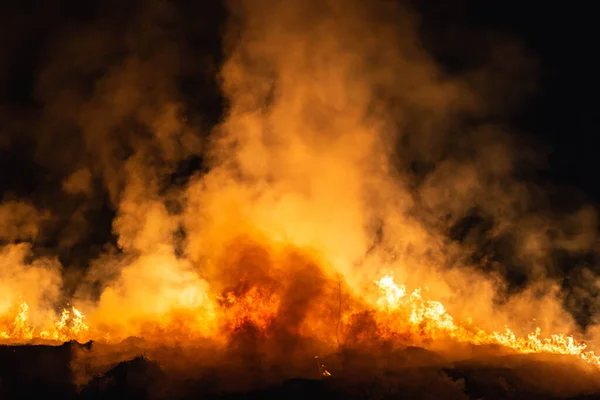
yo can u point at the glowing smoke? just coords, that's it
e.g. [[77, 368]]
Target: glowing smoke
[[332, 106]]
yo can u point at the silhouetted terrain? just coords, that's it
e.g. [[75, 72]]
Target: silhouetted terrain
[[39, 371]]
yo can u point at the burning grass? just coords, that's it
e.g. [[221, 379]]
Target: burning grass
[[274, 302]]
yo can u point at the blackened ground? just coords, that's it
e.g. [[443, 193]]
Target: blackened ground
[[44, 372]]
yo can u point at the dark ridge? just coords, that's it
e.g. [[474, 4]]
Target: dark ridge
[[35, 372], [40, 371]]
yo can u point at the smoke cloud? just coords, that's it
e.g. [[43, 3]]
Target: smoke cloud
[[344, 152]]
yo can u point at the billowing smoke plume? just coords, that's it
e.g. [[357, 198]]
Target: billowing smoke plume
[[330, 107], [344, 153]]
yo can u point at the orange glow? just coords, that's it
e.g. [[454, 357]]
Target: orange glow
[[407, 317], [70, 326], [305, 203], [431, 320]]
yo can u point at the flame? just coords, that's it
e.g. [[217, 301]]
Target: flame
[[398, 314], [255, 307], [19, 329], [431, 320], [70, 326]]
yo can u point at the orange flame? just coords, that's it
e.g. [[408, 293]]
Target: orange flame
[[397, 311], [430, 317], [70, 326]]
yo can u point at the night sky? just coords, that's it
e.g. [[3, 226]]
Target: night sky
[[561, 109], [559, 38]]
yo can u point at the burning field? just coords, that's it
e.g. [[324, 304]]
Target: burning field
[[352, 226]]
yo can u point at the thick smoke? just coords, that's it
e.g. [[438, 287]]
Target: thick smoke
[[329, 107], [344, 153]]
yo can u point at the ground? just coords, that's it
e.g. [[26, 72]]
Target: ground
[[41, 371]]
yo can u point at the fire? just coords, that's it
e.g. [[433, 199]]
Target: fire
[[431, 320], [254, 307], [20, 327], [398, 314], [70, 326]]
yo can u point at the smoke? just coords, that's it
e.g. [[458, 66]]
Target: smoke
[[36, 280], [20, 221], [344, 153], [22, 275], [330, 107]]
